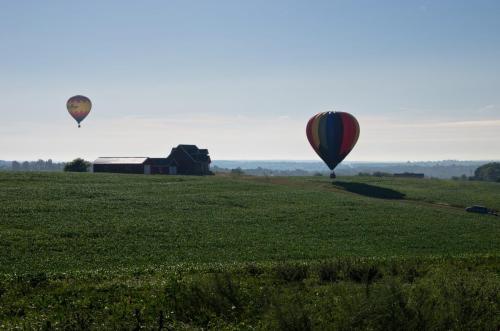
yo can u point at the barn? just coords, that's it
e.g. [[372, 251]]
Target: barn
[[127, 165], [183, 160], [190, 160]]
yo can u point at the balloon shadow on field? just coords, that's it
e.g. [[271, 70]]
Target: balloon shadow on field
[[369, 190]]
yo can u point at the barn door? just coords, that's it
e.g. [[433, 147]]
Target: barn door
[[147, 169], [172, 170]]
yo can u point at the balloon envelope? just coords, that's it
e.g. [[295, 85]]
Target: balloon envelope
[[79, 107], [332, 135]]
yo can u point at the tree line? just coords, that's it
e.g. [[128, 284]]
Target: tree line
[[489, 172], [39, 165], [77, 165]]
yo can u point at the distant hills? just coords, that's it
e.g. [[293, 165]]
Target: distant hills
[[438, 169]]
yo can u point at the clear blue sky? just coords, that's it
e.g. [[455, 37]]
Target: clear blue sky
[[242, 78]]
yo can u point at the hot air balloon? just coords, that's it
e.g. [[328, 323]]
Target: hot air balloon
[[332, 135], [79, 107]]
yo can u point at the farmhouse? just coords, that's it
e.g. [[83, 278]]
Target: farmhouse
[[183, 160]]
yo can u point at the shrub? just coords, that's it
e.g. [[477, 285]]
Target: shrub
[[77, 165], [329, 272], [292, 272], [202, 301], [290, 315], [488, 172], [364, 274], [253, 270]]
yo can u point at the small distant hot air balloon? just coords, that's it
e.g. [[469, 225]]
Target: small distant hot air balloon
[[79, 107], [332, 135]]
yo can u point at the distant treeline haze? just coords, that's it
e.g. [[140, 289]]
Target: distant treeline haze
[[438, 169], [39, 165]]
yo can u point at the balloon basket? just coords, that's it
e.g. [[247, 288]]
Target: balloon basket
[[332, 175]]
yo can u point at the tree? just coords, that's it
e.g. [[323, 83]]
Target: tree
[[77, 165], [39, 165], [488, 172], [16, 166]]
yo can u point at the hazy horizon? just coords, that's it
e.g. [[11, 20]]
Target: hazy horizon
[[242, 78], [431, 169]]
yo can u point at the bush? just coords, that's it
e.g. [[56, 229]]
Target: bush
[[329, 272], [364, 274], [292, 272], [77, 165], [488, 172], [440, 294], [200, 302], [290, 315]]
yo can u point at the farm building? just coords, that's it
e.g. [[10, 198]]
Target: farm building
[[126, 165], [183, 160]]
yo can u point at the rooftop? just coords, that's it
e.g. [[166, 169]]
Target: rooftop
[[120, 160]]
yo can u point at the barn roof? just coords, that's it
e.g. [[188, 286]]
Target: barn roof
[[120, 160], [197, 155]]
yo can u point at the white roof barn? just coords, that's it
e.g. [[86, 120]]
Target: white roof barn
[[121, 160]]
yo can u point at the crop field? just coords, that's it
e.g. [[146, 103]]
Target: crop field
[[93, 251]]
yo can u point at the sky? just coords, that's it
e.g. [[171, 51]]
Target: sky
[[242, 78]]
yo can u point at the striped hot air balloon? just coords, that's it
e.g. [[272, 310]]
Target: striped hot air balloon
[[79, 107], [332, 135]]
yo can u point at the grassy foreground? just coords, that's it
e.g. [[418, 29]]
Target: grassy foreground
[[338, 294], [116, 251]]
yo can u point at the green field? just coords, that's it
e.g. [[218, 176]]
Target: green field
[[84, 242]]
